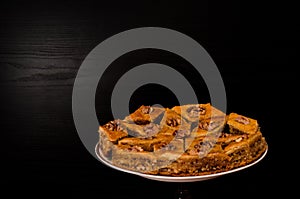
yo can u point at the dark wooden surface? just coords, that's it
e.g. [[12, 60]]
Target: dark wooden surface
[[43, 44]]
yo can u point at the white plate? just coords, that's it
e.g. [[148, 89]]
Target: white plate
[[171, 178]]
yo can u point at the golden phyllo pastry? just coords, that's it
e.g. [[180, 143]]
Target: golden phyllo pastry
[[187, 140]]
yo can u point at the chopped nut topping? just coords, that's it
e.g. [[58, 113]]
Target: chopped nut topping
[[173, 122], [181, 133], [242, 120], [168, 147], [201, 148], [209, 125], [113, 126], [135, 149], [203, 125], [141, 168], [147, 109], [195, 111]]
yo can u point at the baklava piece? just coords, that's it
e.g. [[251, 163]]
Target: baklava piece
[[134, 158], [239, 124], [110, 134], [142, 131], [257, 145], [238, 153], [174, 121], [145, 115], [198, 112]]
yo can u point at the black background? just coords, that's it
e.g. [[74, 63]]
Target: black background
[[42, 45]]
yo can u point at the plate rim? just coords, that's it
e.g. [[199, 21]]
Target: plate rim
[[176, 178]]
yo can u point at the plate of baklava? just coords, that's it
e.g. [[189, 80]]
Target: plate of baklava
[[185, 143]]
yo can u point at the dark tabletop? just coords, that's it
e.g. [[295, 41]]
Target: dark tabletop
[[43, 44]]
